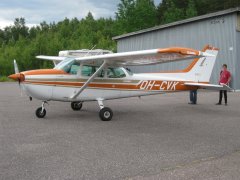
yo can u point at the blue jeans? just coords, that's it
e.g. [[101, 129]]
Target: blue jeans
[[193, 96]]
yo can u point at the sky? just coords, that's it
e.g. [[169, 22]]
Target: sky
[[36, 11]]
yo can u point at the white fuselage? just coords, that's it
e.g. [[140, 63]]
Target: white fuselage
[[62, 87]]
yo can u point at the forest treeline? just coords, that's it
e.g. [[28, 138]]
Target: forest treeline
[[23, 43]]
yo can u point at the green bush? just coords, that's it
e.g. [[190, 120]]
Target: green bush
[[5, 79]]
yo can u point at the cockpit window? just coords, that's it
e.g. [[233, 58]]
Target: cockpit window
[[69, 66], [74, 69]]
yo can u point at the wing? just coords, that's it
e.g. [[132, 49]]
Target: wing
[[209, 86], [54, 59], [144, 57], [51, 58]]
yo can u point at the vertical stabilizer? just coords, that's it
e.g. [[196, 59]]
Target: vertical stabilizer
[[202, 68]]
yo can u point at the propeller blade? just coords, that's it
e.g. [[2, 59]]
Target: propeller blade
[[17, 76], [15, 67]]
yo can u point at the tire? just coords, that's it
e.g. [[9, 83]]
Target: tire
[[76, 106], [40, 113], [105, 114]]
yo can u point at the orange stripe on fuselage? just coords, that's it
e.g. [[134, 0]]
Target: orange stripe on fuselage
[[45, 72], [147, 85]]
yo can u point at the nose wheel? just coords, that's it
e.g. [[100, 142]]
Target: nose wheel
[[41, 111], [105, 113]]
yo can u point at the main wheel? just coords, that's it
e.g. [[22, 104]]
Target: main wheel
[[76, 106], [40, 113], [105, 114]]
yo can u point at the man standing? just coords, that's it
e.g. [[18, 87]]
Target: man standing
[[193, 97], [225, 78]]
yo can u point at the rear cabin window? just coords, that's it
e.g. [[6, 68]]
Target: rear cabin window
[[115, 73], [111, 72]]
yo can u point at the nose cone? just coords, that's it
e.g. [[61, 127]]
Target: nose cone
[[17, 77]]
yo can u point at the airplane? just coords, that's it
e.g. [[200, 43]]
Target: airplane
[[104, 77]]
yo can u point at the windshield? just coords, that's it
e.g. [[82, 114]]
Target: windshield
[[69, 66]]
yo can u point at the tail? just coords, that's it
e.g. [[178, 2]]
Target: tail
[[200, 70]]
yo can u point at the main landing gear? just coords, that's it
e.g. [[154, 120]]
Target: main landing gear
[[76, 106], [41, 111], [105, 113]]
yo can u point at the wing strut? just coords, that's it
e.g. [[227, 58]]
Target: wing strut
[[88, 81]]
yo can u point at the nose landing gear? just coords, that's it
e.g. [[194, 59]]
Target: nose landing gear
[[41, 111]]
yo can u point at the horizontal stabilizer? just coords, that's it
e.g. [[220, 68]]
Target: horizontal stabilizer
[[210, 86]]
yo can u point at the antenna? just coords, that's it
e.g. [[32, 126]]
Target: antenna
[[99, 51], [90, 50]]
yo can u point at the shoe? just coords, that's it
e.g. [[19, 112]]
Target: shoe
[[219, 104], [191, 103], [226, 104]]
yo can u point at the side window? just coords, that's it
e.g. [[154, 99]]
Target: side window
[[119, 73], [74, 69], [88, 70], [101, 73], [115, 73], [110, 73]]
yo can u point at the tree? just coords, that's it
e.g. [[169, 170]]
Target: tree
[[191, 10], [133, 15], [204, 7], [162, 7], [89, 17], [173, 13], [173, 10], [19, 29], [125, 16], [145, 14]]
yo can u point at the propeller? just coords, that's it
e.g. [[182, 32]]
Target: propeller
[[17, 76]]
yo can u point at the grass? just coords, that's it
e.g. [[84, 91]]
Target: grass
[[5, 79]]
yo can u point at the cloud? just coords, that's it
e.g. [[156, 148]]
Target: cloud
[[36, 11]]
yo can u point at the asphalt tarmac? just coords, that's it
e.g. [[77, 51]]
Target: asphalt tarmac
[[155, 137]]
